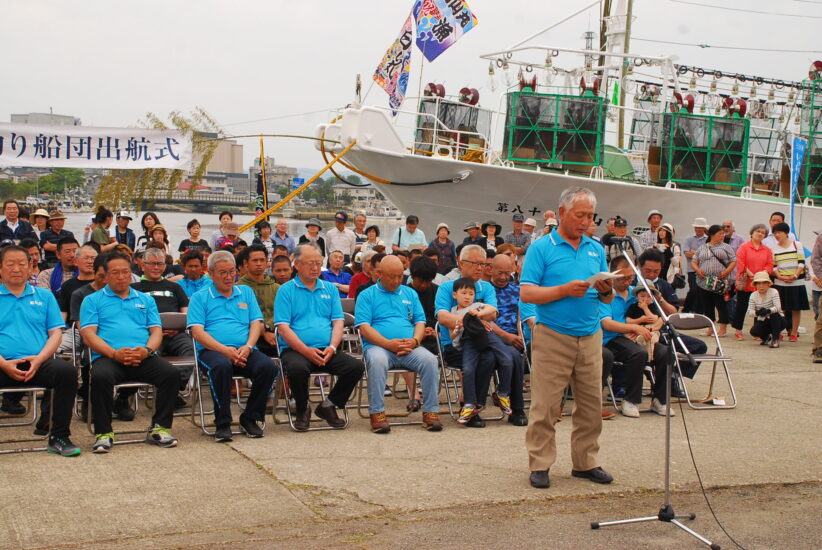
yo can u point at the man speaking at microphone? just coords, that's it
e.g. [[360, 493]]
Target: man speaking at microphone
[[567, 340]]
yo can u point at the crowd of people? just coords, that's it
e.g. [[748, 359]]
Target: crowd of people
[[280, 297]]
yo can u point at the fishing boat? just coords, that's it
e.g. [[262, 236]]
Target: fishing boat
[[643, 132]]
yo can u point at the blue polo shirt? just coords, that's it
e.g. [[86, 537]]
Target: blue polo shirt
[[192, 287], [26, 320], [120, 322], [552, 261], [392, 314], [526, 311], [343, 278], [616, 312], [309, 313], [227, 320], [485, 293]]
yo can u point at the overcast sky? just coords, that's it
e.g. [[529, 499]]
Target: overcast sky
[[111, 62]]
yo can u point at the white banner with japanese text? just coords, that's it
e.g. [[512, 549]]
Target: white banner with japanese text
[[87, 147]]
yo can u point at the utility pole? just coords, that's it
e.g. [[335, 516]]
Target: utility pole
[[621, 128]]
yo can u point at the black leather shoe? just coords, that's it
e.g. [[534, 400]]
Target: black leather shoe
[[123, 410], [303, 420], [329, 414], [597, 475], [11, 406], [476, 422], [676, 388], [518, 419], [223, 434], [539, 479], [250, 427]]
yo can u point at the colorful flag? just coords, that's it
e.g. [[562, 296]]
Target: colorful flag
[[440, 23], [393, 71]]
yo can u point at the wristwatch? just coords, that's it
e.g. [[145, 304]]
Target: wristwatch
[[151, 352], [606, 294]]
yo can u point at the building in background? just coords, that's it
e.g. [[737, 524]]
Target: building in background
[[45, 119], [224, 173]]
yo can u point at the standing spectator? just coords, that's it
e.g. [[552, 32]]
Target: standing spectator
[[408, 238], [816, 271], [731, 236], [122, 234], [528, 227], [630, 249], [122, 327], [225, 320], [101, 233], [751, 258], [193, 242], [309, 317], [714, 260], [445, 249], [693, 300], [490, 235], [340, 237], [372, 240], [360, 231], [518, 237], [13, 228], [230, 236], [148, 221], [336, 275], [312, 235], [41, 221], [225, 218], [671, 251], [776, 217], [567, 339], [282, 237], [474, 235], [265, 239], [789, 269], [51, 236], [648, 238], [159, 236]]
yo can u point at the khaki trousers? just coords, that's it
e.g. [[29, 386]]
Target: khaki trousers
[[560, 359], [817, 333]]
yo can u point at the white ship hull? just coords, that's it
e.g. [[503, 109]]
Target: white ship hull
[[497, 192]]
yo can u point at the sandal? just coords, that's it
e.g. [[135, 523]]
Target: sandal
[[413, 405], [739, 335]]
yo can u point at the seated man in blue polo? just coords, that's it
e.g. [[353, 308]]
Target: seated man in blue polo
[[471, 263], [30, 332], [335, 273], [193, 279], [122, 327], [309, 318], [226, 322], [391, 321]]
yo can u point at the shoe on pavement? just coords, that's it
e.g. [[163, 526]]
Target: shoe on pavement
[[774, 344], [467, 413], [223, 433], [329, 414], [122, 409], [103, 443], [677, 390], [379, 423], [42, 429], [476, 422], [62, 446], [10, 406], [597, 475], [817, 355], [793, 338], [629, 409], [539, 479], [250, 427], [157, 435], [518, 418], [765, 341], [659, 407], [608, 415], [303, 420], [505, 405], [431, 422]]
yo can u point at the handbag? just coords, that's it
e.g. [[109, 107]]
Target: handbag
[[742, 282], [712, 282], [805, 271], [679, 281]]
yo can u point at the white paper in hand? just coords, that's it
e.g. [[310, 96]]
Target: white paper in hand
[[604, 276]]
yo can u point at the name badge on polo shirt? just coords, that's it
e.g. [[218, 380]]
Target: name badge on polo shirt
[[35, 303], [325, 296], [242, 305], [593, 254], [140, 306]]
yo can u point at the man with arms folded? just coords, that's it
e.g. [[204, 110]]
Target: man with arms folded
[[122, 327], [309, 317], [392, 323], [226, 323], [30, 332], [567, 340]]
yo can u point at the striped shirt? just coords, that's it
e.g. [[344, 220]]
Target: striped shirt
[[787, 261], [770, 301]]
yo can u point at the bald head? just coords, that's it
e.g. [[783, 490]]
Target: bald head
[[501, 267], [390, 272]]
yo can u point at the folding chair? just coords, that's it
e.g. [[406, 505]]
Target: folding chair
[[452, 380], [693, 321], [282, 386], [361, 389], [177, 321], [31, 391]]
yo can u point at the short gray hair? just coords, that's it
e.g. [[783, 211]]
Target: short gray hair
[[574, 194], [759, 226], [219, 257], [299, 249], [469, 248], [154, 253]]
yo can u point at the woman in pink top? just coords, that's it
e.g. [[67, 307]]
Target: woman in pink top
[[752, 257]]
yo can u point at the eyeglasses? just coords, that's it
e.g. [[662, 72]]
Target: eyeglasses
[[726, 227], [155, 264], [226, 273], [471, 262], [316, 263]]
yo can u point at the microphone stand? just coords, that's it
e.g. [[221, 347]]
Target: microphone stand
[[666, 512]]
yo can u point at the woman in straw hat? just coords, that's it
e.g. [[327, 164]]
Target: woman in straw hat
[[766, 309]]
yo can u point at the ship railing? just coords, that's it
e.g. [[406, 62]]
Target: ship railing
[[445, 142]]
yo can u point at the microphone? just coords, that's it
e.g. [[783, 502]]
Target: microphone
[[610, 240]]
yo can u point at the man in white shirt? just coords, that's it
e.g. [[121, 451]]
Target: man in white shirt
[[408, 237], [341, 238]]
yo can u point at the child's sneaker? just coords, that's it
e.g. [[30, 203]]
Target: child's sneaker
[[505, 405], [466, 414]]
